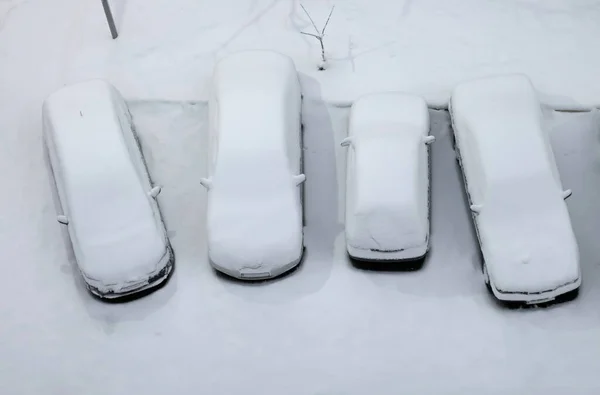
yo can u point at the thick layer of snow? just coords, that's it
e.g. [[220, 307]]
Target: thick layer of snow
[[254, 208], [167, 48], [524, 226], [117, 238], [388, 177]]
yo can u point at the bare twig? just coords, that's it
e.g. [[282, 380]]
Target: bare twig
[[312, 35], [311, 20], [319, 36], [327, 22]]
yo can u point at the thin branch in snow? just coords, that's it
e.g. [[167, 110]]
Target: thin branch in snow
[[327, 22], [312, 35], [319, 36], [311, 20]]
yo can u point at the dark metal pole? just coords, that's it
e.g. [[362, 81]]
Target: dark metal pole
[[109, 19]]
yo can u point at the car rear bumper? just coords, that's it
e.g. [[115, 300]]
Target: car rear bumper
[[406, 254], [120, 290]]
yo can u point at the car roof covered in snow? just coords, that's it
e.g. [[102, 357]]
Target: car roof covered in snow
[[106, 200], [256, 92], [502, 117], [387, 131], [258, 95], [253, 191]]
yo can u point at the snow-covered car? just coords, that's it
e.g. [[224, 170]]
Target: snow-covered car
[[255, 171], [387, 180], [105, 195], [514, 190]]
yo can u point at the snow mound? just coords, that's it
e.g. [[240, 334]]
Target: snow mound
[[523, 223], [119, 240], [387, 194], [254, 208]]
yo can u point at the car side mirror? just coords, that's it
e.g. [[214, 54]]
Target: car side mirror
[[346, 142], [62, 219], [428, 139], [567, 194], [476, 208], [154, 192], [206, 183], [299, 179]]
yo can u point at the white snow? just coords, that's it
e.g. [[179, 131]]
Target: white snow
[[254, 208], [167, 48], [327, 328], [524, 226], [388, 177], [118, 240]]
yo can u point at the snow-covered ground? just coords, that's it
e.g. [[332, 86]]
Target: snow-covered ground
[[328, 328]]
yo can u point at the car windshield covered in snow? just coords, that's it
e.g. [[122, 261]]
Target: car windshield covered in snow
[[257, 176]]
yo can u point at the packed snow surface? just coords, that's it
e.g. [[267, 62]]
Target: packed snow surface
[[115, 235], [524, 226], [254, 208], [387, 192]]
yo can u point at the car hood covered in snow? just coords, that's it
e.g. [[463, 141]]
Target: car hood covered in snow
[[119, 249], [255, 222], [529, 245]]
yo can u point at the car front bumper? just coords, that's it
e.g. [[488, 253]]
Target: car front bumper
[[535, 297], [121, 290], [406, 254]]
